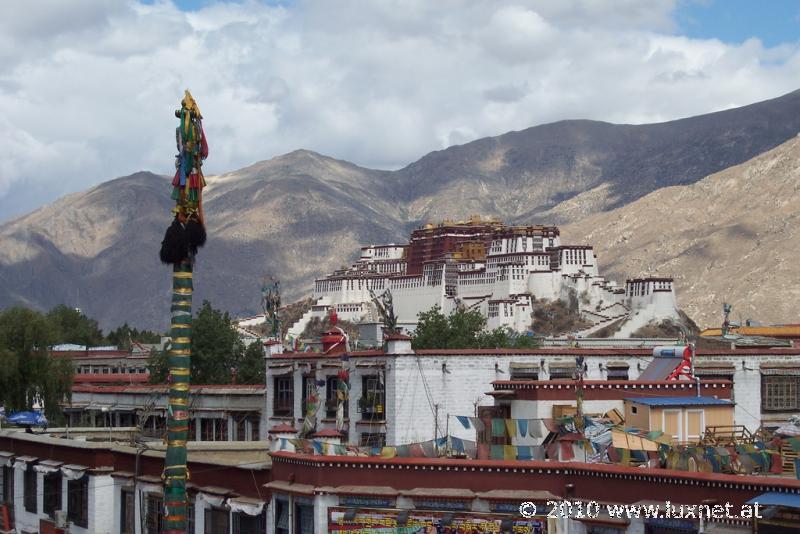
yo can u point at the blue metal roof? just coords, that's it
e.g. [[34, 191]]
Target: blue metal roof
[[773, 498], [680, 401]]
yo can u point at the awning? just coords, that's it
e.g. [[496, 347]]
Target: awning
[[209, 414], [47, 466], [781, 371], [21, 462], [282, 370], [726, 369], [214, 500], [245, 505], [285, 487], [521, 365], [604, 518], [73, 471], [377, 365], [372, 491], [6, 459], [617, 365]]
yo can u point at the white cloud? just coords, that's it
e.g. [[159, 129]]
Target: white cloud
[[87, 92]]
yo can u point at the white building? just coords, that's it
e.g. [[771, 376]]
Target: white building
[[399, 396], [485, 265]]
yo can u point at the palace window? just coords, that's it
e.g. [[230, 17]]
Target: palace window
[[51, 496], [304, 518], [30, 489], [250, 524], [78, 501], [7, 485], [284, 396], [780, 392], [561, 372], [216, 520], [331, 400], [617, 371], [281, 515], [524, 371], [213, 429], [372, 439], [127, 512], [309, 389], [153, 513], [372, 404]]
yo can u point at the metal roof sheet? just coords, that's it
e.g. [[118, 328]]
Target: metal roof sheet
[[680, 401], [659, 369]]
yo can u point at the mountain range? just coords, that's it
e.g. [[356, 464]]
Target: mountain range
[[303, 214]]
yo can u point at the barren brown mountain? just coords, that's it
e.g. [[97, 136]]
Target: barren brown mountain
[[731, 237], [303, 214]]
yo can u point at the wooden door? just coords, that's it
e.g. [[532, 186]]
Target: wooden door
[[672, 424]]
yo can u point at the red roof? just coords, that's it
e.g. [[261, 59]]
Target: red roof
[[149, 388], [282, 428], [130, 378], [328, 433]]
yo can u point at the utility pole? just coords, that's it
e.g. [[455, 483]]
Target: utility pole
[[436, 427], [579, 370], [179, 248]]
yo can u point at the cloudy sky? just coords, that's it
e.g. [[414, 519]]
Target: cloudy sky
[[88, 88]]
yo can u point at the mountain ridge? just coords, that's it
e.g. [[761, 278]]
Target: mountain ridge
[[302, 214]]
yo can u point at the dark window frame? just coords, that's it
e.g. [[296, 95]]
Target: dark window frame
[[248, 524], [154, 519], [78, 501], [372, 404], [780, 393], [125, 494], [30, 489], [212, 516], [372, 439], [283, 396], [51, 496], [331, 400]]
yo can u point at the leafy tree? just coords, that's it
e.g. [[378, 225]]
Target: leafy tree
[[124, 336], [158, 365], [216, 350], [250, 369], [74, 327], [433, 330], [28, 372], [463, 329], [215, 346]]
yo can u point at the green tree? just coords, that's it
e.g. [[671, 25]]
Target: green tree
[[250, 369], [463, 329], [158, 366], [216, 349], [75, 327], [433, 330], [123, 337], [215, 346], [28, 370]]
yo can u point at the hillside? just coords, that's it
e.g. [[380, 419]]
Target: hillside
[[303, 214], [728, 238]]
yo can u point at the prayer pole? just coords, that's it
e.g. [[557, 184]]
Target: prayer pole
[[179, 248]]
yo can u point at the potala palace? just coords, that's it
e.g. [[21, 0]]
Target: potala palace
[[501, 270]]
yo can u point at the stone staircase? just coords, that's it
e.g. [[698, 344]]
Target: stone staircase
[[300, 325]]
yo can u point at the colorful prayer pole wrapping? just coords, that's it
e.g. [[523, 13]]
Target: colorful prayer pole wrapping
[[176, 472]]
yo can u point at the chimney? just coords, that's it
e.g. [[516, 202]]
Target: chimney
[[398, 344]]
